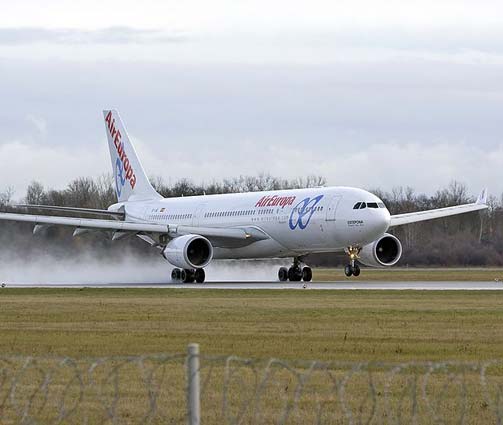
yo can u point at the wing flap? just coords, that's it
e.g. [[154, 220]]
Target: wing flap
[[71, 209]]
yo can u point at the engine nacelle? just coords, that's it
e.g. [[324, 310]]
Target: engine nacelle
[[384, 252], [189, 252]]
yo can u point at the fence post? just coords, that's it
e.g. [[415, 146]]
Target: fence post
[[193, 390]]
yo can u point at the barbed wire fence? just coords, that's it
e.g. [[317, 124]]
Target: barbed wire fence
[[196, 389]]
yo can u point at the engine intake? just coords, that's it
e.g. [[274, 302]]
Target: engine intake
[[384, 252], [189, 252]]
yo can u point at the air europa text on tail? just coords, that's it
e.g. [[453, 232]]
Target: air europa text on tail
[[116, 137]]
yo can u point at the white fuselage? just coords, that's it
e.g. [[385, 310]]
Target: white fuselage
[[297, 222]]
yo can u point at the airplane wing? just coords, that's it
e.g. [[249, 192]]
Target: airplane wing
[[71, 209], [401, 219], [249, 234]]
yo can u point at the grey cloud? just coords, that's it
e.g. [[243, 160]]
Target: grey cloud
[[110, 35], [439, 40], [363, 124]]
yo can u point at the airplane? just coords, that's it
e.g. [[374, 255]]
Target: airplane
[[192, 231]]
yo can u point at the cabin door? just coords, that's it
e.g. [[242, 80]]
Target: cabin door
[[198, 215], [332, 208]]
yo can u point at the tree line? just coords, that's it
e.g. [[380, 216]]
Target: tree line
[[473, 239]]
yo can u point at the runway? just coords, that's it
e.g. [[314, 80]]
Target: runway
[[343, 285]]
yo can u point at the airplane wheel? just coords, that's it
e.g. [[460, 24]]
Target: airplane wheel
[[348, 270], [283, 274], [176, 274], [307, 274], [295, 274], [189, 276], [199, 275], [356, 270]]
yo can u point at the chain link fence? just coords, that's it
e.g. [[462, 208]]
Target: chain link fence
[[198, 389]]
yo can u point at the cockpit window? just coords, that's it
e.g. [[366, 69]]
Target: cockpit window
[[363, 205], [381, 205], [372, 205], [357, 205]]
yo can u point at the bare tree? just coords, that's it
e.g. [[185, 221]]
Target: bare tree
[[35, 194], [6, 196]]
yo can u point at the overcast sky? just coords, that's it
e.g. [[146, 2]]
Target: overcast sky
[[365, 93]]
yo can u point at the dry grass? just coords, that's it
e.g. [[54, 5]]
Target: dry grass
[[325, 325], [412, 274]]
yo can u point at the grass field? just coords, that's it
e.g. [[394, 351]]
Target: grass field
[[335, 325], [326, 325], [412, 274]]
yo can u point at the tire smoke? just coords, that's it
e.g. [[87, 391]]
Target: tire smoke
[[45, 269]]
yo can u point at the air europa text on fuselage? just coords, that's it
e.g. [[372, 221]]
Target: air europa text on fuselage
[[116, 136], [275, 200]]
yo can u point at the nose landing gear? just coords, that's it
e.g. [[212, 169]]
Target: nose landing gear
[[296, 273], [352, 269]]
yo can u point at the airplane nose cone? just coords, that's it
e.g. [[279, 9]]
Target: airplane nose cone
[[381, 222], [386, 219], [376, 224]]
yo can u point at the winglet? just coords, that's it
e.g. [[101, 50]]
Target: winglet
[[482, 199]]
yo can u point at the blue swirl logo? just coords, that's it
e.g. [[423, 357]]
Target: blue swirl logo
[[302, 212], [120, 178]]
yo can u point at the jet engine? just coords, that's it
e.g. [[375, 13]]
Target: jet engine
[[189, 252], [385, 251]]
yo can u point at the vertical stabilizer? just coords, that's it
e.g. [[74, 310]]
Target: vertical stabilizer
[[130, 181]]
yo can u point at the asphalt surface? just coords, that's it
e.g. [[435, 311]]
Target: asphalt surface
[[343, 285]]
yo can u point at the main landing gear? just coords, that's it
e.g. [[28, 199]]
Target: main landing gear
[[296, 273], [188, 275], [352, 269]]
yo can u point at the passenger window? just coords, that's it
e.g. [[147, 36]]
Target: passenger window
[[363, 205], [357, 205]]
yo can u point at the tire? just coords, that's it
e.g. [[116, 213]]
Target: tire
[[199, 275], [356, 270], [283, 274], [189, 276], [295, 274], [307, 274], [348, 270], [176, 274]]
